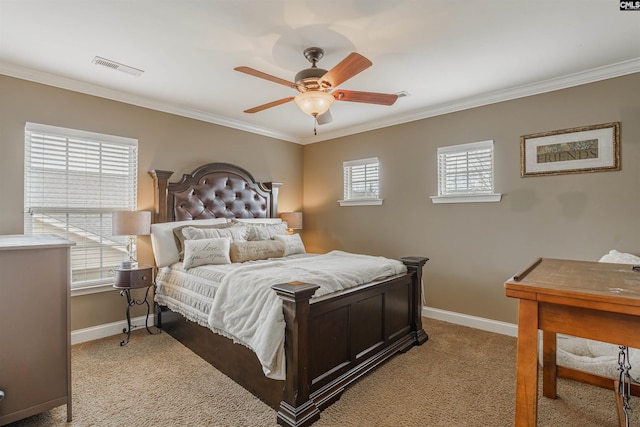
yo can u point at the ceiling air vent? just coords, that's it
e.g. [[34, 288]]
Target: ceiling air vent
[[117, 66]]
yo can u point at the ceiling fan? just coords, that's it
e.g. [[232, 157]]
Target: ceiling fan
[[317, 87]]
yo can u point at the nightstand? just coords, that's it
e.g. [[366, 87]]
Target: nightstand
[[134, 278]]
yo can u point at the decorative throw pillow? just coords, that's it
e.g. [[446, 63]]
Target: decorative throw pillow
[[206, 251], [165, 248], [251, 251], [265, 231], [179, 237], [237, 233], [292, 244]]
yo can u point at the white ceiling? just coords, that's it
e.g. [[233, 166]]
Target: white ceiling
[[446, 54]]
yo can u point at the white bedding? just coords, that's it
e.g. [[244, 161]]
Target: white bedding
[[191, 293], [245, 308]]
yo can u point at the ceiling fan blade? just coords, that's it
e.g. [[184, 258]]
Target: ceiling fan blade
[[349, 67], [366, 97], [269, 105], [260, 74], [324, 118]]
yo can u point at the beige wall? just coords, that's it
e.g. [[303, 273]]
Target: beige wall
[[166, 142], [474, 247]]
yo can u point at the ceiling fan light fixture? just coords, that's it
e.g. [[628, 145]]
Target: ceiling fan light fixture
[[314, 103]]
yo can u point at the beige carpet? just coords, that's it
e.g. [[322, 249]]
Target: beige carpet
[[460, 377]]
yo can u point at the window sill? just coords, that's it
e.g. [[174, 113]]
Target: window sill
[[92, 289], [480, 198], [361, 202]]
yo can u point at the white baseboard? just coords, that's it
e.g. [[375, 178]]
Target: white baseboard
[[471, 321], [108, 329]]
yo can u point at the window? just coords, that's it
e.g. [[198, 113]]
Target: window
[[465, 173], [74, 180], [361, 183]]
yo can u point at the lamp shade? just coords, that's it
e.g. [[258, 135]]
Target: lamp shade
[[314, 102], [293, 219], [131, 223]]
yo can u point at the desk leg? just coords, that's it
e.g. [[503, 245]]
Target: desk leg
[[550, 368], [527, 364]]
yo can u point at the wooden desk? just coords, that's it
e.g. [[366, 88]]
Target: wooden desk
[[600, 301]]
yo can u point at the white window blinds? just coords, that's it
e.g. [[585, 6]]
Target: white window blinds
[[74, 180], [361, 180], [465, 169]]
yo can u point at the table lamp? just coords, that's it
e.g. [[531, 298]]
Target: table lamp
[[131, 224], [293, 220]]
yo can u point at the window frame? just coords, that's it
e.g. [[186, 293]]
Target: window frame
[[72, 158], [348, 183], [468, 196]]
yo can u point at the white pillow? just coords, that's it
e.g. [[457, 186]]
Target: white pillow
[[257, 220], [237, 233], [206, 251], [177, 233], [292, 244], [266, 231], [164, 246]]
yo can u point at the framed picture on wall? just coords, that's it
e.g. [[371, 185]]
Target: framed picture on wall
[[577, 150]]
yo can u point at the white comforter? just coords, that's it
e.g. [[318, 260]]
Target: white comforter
[[246, 309]]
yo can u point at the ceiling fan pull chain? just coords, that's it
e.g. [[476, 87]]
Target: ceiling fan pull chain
[[315, 124]]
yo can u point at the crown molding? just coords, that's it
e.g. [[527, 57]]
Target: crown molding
[[571, 80], [114, 95]]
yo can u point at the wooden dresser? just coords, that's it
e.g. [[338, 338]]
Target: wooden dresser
[[35, 340]]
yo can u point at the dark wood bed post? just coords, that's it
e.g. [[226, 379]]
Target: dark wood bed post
[[296, 409], [414, 266], [161, 184], [273, 188]]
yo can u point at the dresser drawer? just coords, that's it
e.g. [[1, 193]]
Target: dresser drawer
[[134, 278]]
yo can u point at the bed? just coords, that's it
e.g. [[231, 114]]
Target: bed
[[329, 341]]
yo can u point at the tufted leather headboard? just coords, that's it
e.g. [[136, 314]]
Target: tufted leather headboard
[[215, 190]]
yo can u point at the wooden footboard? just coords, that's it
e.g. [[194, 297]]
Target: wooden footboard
[[334, 340], [330, 342]]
